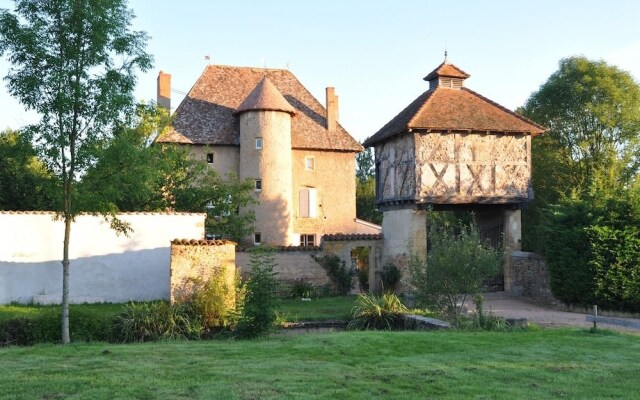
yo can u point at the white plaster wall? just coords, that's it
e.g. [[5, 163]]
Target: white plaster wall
[[104, 266], [366, 227]]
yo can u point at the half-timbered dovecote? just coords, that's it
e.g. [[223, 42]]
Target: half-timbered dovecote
[[450, 146]]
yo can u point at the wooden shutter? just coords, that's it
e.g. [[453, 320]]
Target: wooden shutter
[[304, 203]]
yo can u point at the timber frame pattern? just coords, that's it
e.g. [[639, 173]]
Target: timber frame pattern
[[438, 168]]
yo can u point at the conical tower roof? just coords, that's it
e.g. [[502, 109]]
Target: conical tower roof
[[265, 97]]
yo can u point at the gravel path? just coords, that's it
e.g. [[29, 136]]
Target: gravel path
[[519, 307]]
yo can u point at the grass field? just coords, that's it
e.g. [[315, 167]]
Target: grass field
[[291, 310], [322, 309], [545, 364]]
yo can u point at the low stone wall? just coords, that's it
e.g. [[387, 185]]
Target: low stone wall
[[199, 260], [529, 276], [294, 263]]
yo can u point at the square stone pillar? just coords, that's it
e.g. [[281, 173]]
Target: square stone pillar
[[512, 228], [405, 235]]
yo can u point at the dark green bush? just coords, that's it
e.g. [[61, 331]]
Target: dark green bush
[[377, 312], [84, 325], [616, 266], [568, 252], [337, 271], [258, 314], [390, 277]]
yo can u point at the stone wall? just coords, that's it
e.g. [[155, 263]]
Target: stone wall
[[199, 260], [529, 276], [293, 263]]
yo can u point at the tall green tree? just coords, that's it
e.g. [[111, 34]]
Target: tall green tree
[[134, 174], [74, 63], [592, 110], [25, 182], [366, 187]]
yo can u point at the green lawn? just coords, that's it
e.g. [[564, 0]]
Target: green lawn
[[291, 310], [545, 364], [11, 311], [322, 309]]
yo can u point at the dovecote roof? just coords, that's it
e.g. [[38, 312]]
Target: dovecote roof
[[459, 109]]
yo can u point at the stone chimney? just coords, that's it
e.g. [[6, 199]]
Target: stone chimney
[[332, 109], [164, 90]]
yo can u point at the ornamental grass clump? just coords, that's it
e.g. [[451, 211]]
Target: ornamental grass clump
[[143, 322], [377, 312]]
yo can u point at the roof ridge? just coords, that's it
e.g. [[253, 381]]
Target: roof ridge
[[424, 104], [247, 67], [503, 108]]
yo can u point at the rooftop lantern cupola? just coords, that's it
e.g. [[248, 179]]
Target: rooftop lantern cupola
[[446, 75]]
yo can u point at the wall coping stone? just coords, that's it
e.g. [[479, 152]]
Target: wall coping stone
[[526, 254]]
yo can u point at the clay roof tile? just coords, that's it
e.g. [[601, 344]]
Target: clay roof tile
[[265, 96], [207, 113]]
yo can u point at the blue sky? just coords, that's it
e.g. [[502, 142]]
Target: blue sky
[[375, 53]]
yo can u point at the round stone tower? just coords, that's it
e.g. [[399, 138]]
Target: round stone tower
[[266, 158]]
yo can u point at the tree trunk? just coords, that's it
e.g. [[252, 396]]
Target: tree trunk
[[65, 281]]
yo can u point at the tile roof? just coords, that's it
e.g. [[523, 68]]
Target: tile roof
[[281, 249], [446, 69], [445, 109], [352, 236], [202, 242], [265, 97], [206, 115]]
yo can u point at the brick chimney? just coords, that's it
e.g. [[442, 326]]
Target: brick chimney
[[332, 109], [164, 90]]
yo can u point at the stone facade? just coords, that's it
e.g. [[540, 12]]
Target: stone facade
[[263, 125], [199, 260]]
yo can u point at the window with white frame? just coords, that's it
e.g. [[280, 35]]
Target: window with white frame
[[308, 203], [308, 240], [258, 143], [258, 185], [257, 238], [310, 163]]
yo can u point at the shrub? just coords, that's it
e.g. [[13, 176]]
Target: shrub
[[457, 266], [142, 322], [568, 253], [213, 301], [390, 277], [301, 288], [258, 315], [616, 266], [487, 322], [84, 326], [338, 273], [377, 312]]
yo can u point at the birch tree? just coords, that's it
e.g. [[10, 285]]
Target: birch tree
[[74, 63]]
